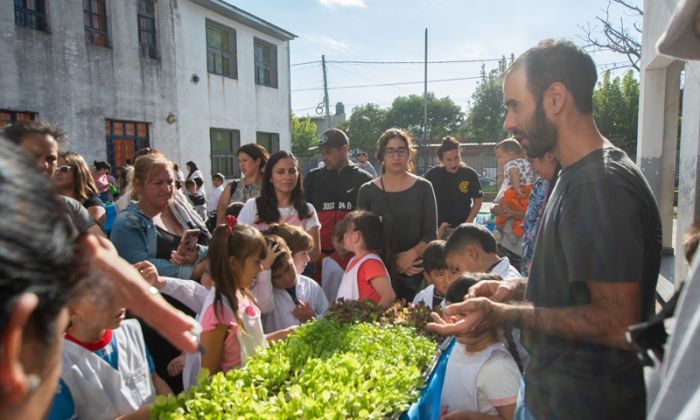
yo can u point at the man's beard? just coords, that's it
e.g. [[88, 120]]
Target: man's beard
[[542, 134]]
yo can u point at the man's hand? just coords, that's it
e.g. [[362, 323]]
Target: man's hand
[[303, 312], [496, 290], [468, 317]]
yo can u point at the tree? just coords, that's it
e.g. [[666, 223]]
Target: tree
[[444, 116], [616, 36], [486, 114], [303, 135], [364, 126], [616, 109]]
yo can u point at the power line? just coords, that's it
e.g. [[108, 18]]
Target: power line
[[479, 60], [390, 84]]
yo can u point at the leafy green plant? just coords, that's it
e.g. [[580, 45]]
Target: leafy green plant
[[325, 369]]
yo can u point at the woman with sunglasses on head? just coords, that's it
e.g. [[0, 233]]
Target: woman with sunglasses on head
[[282, 200], [72, 178], [407, 202]]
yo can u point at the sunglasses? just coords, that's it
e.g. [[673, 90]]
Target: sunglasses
[[64, 169]]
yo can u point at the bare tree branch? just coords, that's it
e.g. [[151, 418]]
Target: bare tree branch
[[616, 37]]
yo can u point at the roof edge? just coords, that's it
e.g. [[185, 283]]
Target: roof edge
[[230, 11]]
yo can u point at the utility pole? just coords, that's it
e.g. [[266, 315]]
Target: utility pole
[[425, 104], [325, 92]]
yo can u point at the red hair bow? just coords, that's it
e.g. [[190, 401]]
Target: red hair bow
[[231, 221]]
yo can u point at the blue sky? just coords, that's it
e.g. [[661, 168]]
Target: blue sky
[[393, 30]]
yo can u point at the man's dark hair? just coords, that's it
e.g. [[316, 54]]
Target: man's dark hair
[[470, 233], [448, 143], [559, 61], [434, 256], [37, 244], [20, 129], [459, 288]]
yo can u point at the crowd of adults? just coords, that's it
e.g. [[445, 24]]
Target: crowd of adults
[[593, 262]]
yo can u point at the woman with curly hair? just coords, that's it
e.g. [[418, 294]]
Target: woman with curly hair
[[282, 200], [73, 178]]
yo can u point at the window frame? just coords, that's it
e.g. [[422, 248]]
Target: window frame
[[261, 65], [120, 132], [269, 140], [234, 136], [24, 16], [232, 52], [16, 116], [148, 49], [93, 33]]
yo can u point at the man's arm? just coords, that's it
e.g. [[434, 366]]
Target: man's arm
[[613, 308]]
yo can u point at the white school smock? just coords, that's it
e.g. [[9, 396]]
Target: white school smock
[[307, 290], [101, 392], [459, 392], [349, 289]]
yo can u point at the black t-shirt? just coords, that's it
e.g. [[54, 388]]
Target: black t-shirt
[[454, 193], [333, 194], [601, 224]]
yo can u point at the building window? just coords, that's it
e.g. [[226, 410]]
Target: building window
[[124, 138], [224, 144], [31, 14], [147, 28], [9, 117], [270, 141], [265, 63], [221, 50], [95, 20]]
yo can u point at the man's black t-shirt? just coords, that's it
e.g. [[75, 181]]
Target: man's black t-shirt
[[333, 194], [601, 224], [454, 193]]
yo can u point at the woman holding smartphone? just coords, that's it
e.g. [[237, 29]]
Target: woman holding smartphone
[[148, 230]]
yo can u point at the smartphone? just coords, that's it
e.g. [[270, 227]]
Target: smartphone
[[189, 239]]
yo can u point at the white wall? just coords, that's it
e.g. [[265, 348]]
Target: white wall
[[222, 102], [658, 112]]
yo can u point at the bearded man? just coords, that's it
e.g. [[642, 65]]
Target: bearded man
[[597, 256]]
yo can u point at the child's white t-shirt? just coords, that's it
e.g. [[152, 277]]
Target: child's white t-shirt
[[497, 382]]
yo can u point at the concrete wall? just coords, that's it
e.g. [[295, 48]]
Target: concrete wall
[[77, 85], [658, 116], [221, 102]]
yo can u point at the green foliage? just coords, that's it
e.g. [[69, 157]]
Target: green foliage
[[365, 125], [303, 135], [487, 113], [325, 369], [444, 116], [616, 110]]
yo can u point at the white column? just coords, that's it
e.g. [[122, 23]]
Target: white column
[[688, 167]]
